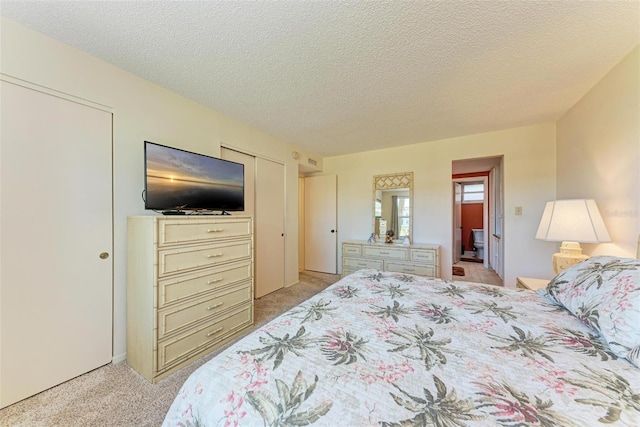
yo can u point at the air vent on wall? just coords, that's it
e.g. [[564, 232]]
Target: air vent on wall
[[312, 162]]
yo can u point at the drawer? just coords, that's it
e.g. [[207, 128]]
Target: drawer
[[194, 231], [174, 350], [182, 315], [183, 259], [428, 256], [359, 263], [179, 288], [351, 250], [420, 270], [386, 252]]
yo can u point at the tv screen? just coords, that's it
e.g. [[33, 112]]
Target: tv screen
[[179, 180]]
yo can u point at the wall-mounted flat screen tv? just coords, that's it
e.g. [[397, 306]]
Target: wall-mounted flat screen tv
[[178, 180]]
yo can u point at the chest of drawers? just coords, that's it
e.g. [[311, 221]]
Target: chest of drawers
[[189, 288], [422, 260]]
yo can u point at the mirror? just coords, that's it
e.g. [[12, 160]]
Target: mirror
[[393, 205]]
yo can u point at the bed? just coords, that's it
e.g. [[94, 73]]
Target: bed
[[382, 348]]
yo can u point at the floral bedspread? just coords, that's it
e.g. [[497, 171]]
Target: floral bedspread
[[399, 350]]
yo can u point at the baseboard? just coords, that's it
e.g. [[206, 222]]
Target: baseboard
[[119, 358], [291, 284]]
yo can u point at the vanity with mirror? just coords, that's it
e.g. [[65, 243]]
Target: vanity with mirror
[[392, 212]]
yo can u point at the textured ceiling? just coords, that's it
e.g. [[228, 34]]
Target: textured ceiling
[[341, 77]]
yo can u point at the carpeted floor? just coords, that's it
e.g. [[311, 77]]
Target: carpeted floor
[[115, 395]]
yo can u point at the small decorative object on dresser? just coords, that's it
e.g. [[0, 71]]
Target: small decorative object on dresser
[[422, 260], [189, 288], [389, 237], [531, 284]]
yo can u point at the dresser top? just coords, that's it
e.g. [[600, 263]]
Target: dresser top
[[399, 245], [191, 217]]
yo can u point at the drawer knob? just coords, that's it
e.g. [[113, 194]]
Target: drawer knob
[[215, 255], [214, 230], [211, 307], [210, 282], [214, 332]]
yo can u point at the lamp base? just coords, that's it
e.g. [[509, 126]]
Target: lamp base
[[570, 254]]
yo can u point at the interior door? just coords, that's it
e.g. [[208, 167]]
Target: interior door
[[321, 236], [457, 221], [56, 246], [269, 226], [496, 212]]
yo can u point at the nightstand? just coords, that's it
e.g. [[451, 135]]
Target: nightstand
[[531, 284]]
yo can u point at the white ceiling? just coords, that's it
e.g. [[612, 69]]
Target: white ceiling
[[340, 77]]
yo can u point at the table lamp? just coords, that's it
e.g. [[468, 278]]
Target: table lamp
[[571, 222]]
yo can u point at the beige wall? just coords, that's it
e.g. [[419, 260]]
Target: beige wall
[[598, 154], [529, 169], [142, 111], [604, 124]]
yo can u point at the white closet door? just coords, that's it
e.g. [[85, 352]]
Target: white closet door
[[264, 199], [56, 221], [320, 233], [269, 227]]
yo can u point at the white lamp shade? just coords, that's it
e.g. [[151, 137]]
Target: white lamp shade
[[572, 220]]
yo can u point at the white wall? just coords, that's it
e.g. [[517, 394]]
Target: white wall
[[529, 168], [141, 111], [598, 154]]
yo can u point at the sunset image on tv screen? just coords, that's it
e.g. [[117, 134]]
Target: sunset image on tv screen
[[178, 179]]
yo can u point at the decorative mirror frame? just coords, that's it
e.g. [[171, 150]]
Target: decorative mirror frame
[[392, 181]]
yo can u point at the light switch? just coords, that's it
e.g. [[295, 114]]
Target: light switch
[[518, 210]]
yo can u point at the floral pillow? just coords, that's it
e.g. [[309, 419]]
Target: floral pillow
[[604, 292]]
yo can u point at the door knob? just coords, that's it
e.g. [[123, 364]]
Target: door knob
[[104, 255]]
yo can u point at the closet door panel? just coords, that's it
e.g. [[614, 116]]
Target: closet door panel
[[270, 221], [56, 246], [265, 201]]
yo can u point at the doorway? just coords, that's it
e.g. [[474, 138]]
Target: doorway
[[477, 219], [472, 214]]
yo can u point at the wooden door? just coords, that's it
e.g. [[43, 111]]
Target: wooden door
[[321, 234], [56, 246], [269, 227]]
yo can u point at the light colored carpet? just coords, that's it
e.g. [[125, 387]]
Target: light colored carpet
[[116, 395]]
